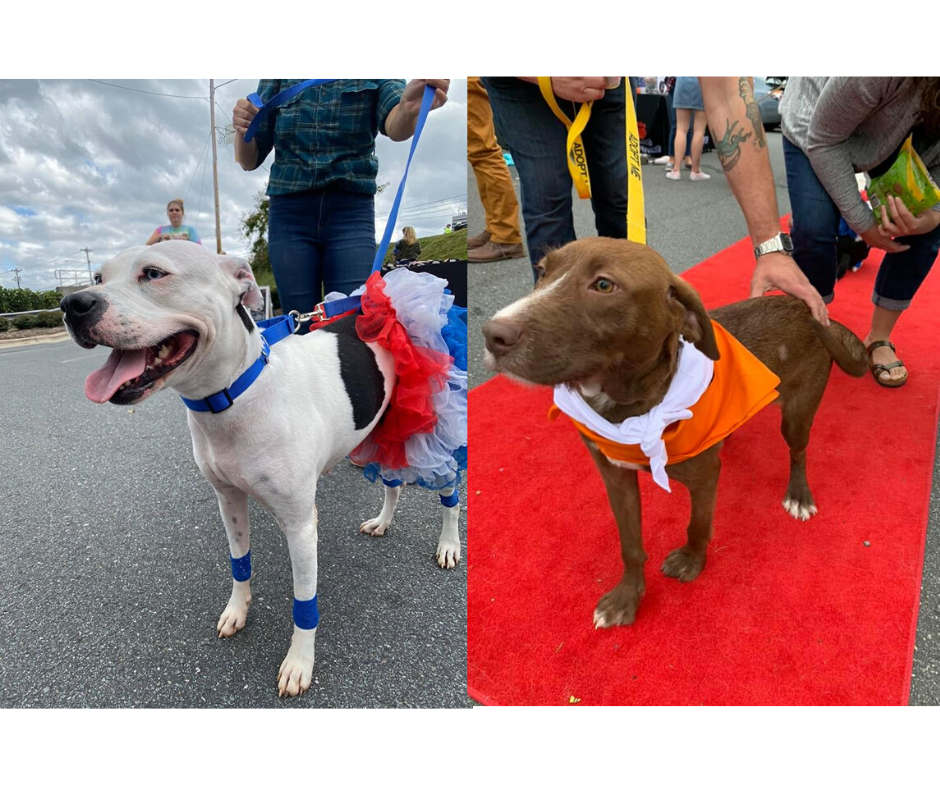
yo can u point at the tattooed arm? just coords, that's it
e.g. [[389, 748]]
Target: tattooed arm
[[735, 122]]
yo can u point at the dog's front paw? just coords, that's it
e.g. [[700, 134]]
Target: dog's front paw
[[448, 551], [684, 564], [800, 509], [618, 607], [235, 615], [375, 527], [296, 671]]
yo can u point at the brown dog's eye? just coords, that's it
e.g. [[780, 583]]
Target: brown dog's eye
[[604, 286]]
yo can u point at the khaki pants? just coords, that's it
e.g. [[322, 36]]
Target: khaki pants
[[489, 168]]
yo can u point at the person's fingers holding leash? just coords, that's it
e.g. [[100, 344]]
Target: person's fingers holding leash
[[580, 89], [441, 86], [777, 271], [242, 115]]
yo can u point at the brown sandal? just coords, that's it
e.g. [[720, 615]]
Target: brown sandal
[[877, 369]]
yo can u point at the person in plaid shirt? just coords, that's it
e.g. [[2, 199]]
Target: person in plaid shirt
[[321, 223]]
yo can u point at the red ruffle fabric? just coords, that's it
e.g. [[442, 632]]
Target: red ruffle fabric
[[421, 373]]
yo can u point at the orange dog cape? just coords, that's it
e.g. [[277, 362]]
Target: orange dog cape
[[702, 407]]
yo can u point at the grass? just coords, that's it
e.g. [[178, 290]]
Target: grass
[[439, 247]]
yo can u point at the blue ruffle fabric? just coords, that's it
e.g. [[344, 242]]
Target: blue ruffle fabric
[[427, 312]]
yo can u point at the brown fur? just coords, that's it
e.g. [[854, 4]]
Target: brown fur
[[619, 344]]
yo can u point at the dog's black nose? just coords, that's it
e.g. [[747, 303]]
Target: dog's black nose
[[80, 304], [501, 335]]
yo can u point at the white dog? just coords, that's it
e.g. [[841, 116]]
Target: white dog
[[176, 316]]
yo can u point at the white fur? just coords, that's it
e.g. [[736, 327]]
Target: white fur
[[271, 444], [798, 511], [448, 545], [520, 306]]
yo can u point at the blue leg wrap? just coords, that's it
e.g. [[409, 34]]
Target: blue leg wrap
[[241, 567], [306, 615], [393, 483], [451, 500]]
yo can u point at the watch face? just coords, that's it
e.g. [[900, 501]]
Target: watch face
[[787, 242]]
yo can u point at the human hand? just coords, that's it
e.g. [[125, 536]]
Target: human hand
[[898, 220], [880, 238], [778, 271], [242, 115], [414, 94], [582, 89], [166, 237]]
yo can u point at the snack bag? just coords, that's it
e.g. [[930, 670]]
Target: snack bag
[[907, 179]]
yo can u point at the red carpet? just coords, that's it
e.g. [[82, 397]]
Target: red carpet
[[785, 612]]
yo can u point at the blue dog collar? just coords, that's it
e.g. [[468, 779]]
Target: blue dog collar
[[272, 331]]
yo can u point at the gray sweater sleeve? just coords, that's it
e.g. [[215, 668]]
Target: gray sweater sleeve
[[844, 103]]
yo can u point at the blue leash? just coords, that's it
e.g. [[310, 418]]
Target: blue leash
[[331, 309], [276, 101], [278, 328]]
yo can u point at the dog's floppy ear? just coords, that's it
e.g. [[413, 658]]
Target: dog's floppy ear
[[696, 325], [242, 273]]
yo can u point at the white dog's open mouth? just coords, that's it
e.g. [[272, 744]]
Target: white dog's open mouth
[[129, 375]]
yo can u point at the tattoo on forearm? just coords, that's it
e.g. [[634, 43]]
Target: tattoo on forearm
[[729, 146], [753, 111]]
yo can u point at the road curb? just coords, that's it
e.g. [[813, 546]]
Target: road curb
[[40, 340]]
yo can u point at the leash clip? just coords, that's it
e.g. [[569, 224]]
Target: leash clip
[[303, 318]]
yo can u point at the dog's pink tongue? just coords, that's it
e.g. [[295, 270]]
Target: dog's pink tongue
[[121, 366]]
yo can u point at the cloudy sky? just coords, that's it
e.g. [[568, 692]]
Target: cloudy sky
[[91, 165]]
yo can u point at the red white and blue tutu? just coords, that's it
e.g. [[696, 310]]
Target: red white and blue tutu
[[422, 437]]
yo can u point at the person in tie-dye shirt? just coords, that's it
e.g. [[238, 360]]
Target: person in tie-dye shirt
[[175, 230]]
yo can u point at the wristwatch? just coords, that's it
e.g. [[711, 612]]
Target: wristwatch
[[779, 243]]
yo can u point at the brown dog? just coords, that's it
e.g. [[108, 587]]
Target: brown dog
[[606, 318]]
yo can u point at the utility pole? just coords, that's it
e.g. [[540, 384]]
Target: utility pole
[[91, 279], [16, 272], [215, 168]]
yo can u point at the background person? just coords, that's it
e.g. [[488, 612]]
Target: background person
[[408, 248], [834, 127], [175, 230], [690, 107], [669, 86]]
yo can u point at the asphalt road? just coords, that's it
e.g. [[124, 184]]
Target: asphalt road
[[688, 222], [115, 567]]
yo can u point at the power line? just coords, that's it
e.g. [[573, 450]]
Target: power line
[[204, 148], [48, 262], [455, 198], [203, 184], [148, 92], [438, 209]]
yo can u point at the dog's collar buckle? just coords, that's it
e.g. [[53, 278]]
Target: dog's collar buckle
[[212, 403]]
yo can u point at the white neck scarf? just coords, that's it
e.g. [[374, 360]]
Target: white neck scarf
[[692, 377]]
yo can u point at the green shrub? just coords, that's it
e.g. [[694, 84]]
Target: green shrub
[[26, 321], [4, 325], [50, 319], [19, 300]]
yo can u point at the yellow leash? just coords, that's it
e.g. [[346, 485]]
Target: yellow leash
[[577, 161]]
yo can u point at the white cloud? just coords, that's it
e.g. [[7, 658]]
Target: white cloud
[[84, 164]]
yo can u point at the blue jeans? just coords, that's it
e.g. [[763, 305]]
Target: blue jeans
[[537, 141], [319, 241], [816, 225]]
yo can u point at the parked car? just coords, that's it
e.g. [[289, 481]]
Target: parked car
[[459, 221], [767, 92]]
